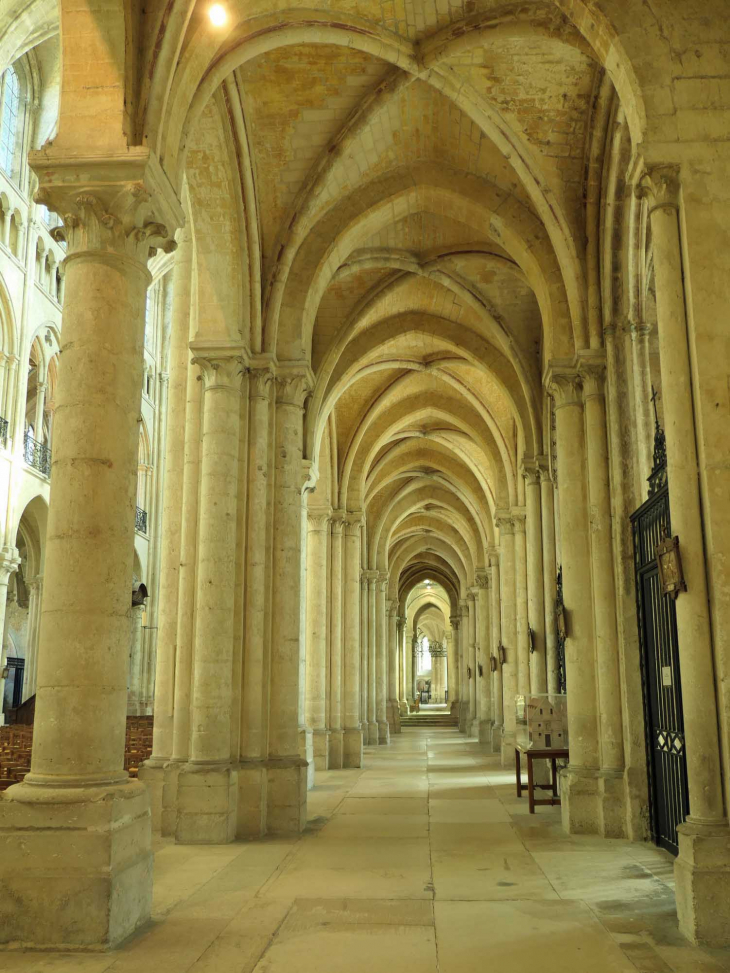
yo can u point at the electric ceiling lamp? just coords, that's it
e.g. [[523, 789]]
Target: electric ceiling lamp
[[218, 15]]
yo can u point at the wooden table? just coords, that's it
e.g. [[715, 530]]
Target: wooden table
[[532, 754]]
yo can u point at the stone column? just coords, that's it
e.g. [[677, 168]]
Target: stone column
[[611, 743], [497, 701], [484, 678], [134, 688], [701, 869], [522, 634], [535, 583], [317, 616], [252, 775], [40, 405], [34, 617], [364, 651], [381, 659], [471, 646], [207, 785], [373, 733], [579, 782], [9, 562], [78, 799], [287, 770], [336, 648], [392, 649], [152, 771], [549, 572], [464, 666], [509, 634], [353, 737], [452, 671], [402, 666]]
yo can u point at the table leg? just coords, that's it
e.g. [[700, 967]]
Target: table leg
[[518, 772], [530, 784]]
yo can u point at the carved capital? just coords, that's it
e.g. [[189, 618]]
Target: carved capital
[[592, 370], [565, 386], [455, 622], [353, 524], [493, 555], [382, 582], [9, 564], [293, 388], [543, 469], [122, 204], [338, 521], [503, 521], [318, 520], [518, 520], [530, 470], [260, 381], [219, 369], [660, 187], [481, 579]]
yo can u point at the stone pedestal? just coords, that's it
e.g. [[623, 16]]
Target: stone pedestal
[[286, 782], [579, 800], [335, 749], [321, 749], [352, 744], [702, 875], [207, 798], [76, 866]]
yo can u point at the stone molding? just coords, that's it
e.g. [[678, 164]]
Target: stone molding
[[121, 205], [660, 186]]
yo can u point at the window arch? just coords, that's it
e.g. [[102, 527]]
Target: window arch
[[9, 119]]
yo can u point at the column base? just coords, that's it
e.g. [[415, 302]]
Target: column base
[[207, 795], [497, 731], [507, 748], [485, 732], [579, 800], [320, 749], [463, 716], [286, 795], [403, 707], [75, 865], [372, 740], [336, 742], [352, 748], [611, 804], [251, 810], [383, 732], [306, 752], [702, 873], [474, 728], [393, 715]]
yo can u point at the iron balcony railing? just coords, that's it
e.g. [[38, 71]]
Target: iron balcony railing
[[37, 455], [141, 521]]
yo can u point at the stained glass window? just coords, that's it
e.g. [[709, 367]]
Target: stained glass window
[[9, 123]]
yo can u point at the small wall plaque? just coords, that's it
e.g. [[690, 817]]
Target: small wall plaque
[[669, 562]]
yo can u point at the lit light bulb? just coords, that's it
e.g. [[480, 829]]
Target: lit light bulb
[[217, 15]]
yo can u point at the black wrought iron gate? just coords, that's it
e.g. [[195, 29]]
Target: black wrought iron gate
[[657, 620]]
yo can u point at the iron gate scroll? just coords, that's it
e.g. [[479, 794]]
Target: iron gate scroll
[[660, 675]]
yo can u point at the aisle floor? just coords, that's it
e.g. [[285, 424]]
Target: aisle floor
[[423, 862]]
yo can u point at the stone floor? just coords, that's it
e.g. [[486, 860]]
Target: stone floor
[[423, 862]]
